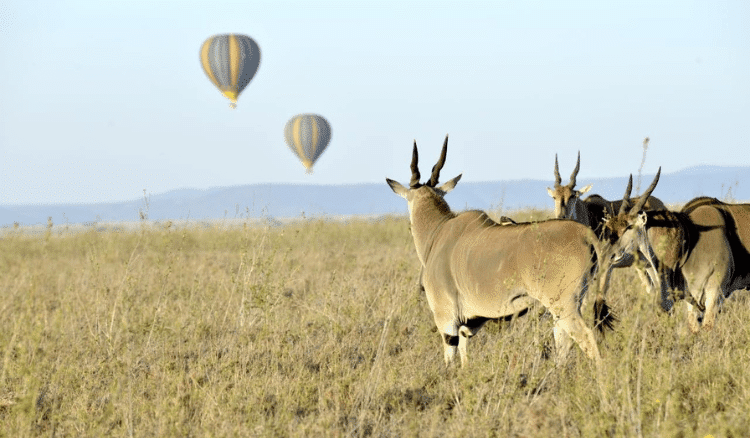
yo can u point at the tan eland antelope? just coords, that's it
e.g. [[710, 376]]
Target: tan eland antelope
[[474, 269], [702, 251]]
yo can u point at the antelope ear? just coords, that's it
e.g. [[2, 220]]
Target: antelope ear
[[585, 189], [448, 186], [640, 221], [397, 188], [551, 193]]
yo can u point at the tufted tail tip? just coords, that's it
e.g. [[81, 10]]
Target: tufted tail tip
[[603, 316]]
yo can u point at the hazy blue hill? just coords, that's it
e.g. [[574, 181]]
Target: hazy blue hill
[[706, 181], [706, 170], [291, 200], [9, 215]]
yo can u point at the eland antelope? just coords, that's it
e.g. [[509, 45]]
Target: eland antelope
[[701, 251], [592, 210], [474, 269]]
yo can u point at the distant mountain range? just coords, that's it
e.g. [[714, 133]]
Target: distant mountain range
[[291, 200]]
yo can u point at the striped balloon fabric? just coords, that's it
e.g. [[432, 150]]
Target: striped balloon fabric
[[307, 136], [230, 62]]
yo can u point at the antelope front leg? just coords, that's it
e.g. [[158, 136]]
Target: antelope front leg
[[713, 301], [645, 277], [574, 327], [563, 342], [449, 344], [692, 317], [666, 299]]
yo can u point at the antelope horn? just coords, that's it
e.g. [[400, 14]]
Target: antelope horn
[[626, 196], [414, 168], [575, 171], [558, 180], [439, 165], [644, 197]]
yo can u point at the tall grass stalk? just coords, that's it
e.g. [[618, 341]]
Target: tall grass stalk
[[643, 162]]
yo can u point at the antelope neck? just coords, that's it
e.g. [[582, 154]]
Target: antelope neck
[[427, 216]]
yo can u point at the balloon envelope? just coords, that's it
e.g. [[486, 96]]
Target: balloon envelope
[[230, 62], [307, 135]]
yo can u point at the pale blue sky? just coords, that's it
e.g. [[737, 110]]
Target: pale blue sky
[[102, 99]]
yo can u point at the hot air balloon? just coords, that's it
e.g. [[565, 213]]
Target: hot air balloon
[[307, 136], [230, 61]]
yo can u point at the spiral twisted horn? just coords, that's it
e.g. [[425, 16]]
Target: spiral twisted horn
[[414, 168], [575, 172], [439, 165], [644, 197], [626, 196]]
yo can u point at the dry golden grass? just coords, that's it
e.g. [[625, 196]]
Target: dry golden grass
[[317, 328]]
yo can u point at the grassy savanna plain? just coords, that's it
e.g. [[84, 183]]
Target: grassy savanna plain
[[317, 328]]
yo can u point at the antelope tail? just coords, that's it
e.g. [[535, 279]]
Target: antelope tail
[[603, 316]]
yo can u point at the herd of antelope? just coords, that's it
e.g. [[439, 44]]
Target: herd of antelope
[[475, 269]]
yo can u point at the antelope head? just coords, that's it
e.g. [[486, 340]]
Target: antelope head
[[626, 232], [429, 190], [566, 196]]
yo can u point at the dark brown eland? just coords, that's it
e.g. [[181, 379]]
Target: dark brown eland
[[475, 270], [700, 254], [592, 210]]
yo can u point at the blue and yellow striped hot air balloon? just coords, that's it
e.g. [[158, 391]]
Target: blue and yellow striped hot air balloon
[[307, 136], [230, 61]]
